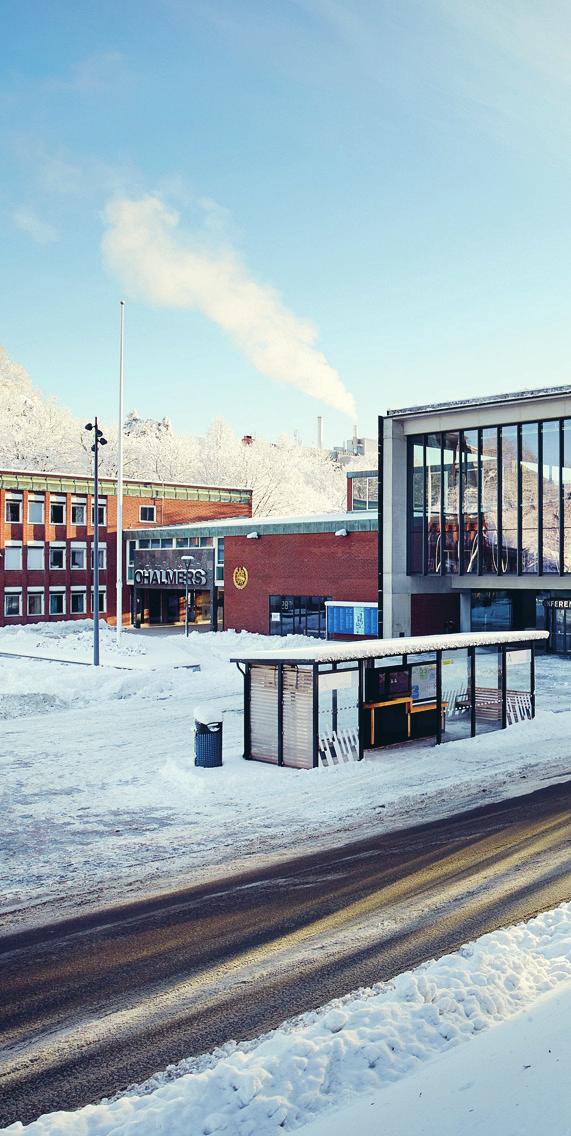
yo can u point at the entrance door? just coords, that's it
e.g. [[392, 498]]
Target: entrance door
[[559, 627], [172, 607], [155, 612]]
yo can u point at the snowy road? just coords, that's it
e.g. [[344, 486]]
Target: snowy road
[[102, 1001]]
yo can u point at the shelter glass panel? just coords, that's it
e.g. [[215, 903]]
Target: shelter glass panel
[[451, 498], [488, 689], [433, 494], [530, 498], [509, 500], [338, 715], [518, 686], [456, 695], [550, 487], [469, 458], [489, 479]]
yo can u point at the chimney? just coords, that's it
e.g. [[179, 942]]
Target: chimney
[[355, 447], [319, 432]]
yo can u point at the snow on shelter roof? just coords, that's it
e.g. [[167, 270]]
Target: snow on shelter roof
[[335, 652]]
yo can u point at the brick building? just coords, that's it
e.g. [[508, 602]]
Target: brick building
[[46, 538], [275, 575]]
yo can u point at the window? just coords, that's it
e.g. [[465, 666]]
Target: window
[[13, 557], [78, 603], [13, 603], [57, 513], [57, 557], [57, 603], [35, 603], [13, 512], [78, 511], [220, 560], [181, 542], [102, 557], [35, 558], [298, 615], [102, 599], [147, 513], [131, 546], [101, 513], [35, 511], [78, 558]]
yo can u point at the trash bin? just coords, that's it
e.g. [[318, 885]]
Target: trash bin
[[208, 744]]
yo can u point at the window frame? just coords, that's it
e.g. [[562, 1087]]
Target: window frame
[[148, 520]]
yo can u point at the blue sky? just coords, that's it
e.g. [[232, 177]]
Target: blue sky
[[304, 203]]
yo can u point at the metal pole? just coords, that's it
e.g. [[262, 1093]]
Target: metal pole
[[186, 604], [119, 595], [96, 550]]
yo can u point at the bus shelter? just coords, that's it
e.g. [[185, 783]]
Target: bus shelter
[[332, 701]]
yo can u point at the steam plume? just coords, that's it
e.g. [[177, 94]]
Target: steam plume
[[145, 248]]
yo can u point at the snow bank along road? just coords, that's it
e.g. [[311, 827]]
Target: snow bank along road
[[103, 1000]]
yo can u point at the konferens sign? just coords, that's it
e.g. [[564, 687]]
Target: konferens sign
[[165, 568]]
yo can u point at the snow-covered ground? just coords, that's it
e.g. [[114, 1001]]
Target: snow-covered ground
[[100, 795], [396, 1054]]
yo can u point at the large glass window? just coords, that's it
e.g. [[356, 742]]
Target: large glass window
[[566, 475], [433, 502], [469, 457], [451, 498], [489, 500], [529, 498], [551, 484], [417, 507], [518, 477]]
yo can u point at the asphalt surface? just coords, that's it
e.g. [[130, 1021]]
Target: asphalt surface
[[93, 1004]]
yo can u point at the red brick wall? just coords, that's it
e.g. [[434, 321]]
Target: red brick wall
[[167, 512], [317, 564]]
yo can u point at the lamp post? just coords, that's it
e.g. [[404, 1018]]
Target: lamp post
[[186, 561], [99, 441]]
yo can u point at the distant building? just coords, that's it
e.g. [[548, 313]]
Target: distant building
[[46, 538]]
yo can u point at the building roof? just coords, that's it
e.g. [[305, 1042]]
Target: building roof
[[485, 400], [132, 487], [359, 521], [335, 652]]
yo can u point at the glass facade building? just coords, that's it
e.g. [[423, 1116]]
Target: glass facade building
[[493, 500]]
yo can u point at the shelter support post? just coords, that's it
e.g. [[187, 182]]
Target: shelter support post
[[360, 700], [438, 697], [280, 670], [502, 663]]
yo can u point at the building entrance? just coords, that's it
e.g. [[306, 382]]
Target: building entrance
[[558, 623]]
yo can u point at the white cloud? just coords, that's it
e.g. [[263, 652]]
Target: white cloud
[[28, 222], [154, 259]]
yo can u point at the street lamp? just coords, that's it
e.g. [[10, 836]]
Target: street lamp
[[186, 561], [99, 441]]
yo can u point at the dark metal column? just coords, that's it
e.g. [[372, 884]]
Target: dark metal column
[[380, 515], [438, 697], [280, 669], [315, 678]]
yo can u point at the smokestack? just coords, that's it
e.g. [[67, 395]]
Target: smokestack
[[354, 437], [319, 432]]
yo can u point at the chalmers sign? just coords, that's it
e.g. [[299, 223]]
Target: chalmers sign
[[165, 568]]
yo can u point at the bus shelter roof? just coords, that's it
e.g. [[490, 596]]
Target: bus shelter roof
[[331, 651]]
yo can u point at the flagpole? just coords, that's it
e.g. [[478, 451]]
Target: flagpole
[[119, 594]]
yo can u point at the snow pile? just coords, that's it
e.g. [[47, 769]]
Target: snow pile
[[100, 795], [351, 1046]]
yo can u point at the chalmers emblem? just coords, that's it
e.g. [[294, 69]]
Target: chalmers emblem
[[240, 577]]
